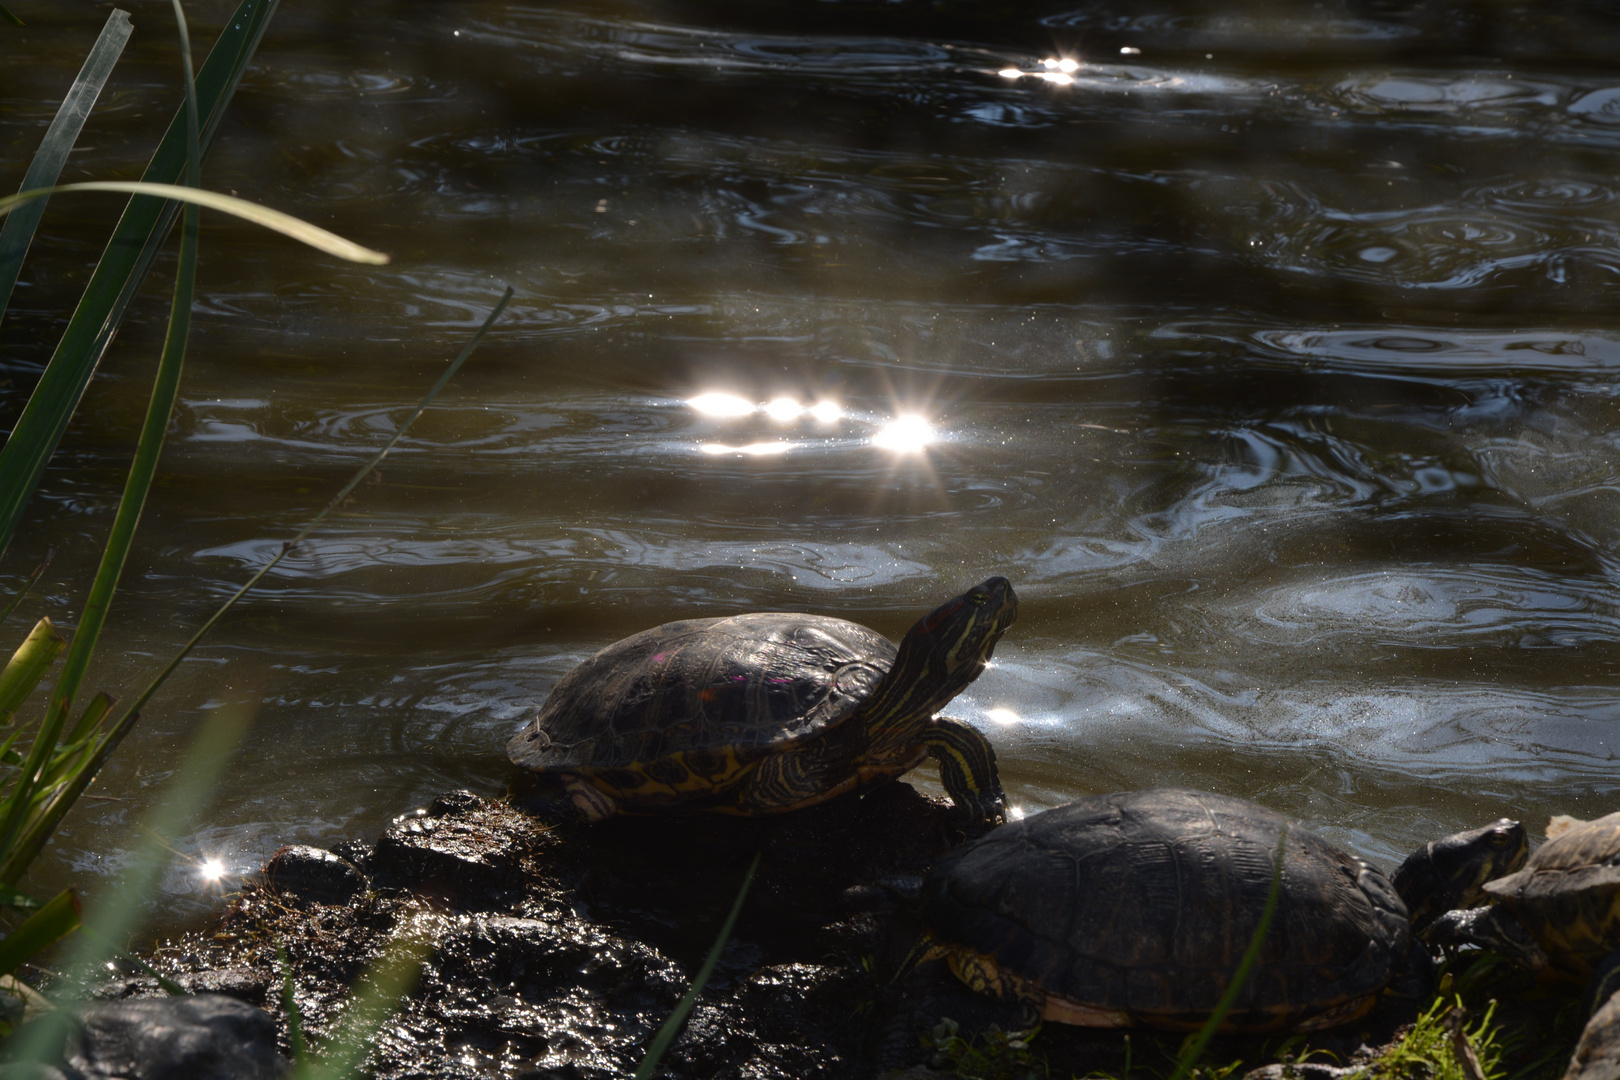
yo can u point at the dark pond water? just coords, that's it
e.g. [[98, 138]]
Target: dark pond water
[[1270, 349]]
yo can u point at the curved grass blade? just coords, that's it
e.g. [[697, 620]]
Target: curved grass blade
[[9, 17], [43, 820], [677, 1019], [129, 254], [286, 224], [1194, 1051], [18, 231]]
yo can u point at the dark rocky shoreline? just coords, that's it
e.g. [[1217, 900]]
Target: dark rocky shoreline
[[558, 950]]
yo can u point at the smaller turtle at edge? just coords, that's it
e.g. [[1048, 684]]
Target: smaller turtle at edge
[[768, 712], [1134, 909], [1560, 915]]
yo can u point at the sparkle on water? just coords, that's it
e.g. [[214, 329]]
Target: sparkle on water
[[211, 870], [718, 404], [758, 449], [1004, 717], [783, 409], [905, 434]]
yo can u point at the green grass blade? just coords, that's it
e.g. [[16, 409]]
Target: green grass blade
[[313, 235], [18, 231], [193, 135], [27, 666], [135, 243], [165, 388], [54, 920], [677, 1019], [42, 823], [1195, 1049], [94, 713], [9, 17]]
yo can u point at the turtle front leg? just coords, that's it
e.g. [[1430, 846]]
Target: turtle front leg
[[1490, 928], [967, 767], [590, 802]]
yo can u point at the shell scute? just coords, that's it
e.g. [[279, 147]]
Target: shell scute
[[753, 683]]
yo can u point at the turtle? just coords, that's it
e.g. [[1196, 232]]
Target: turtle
[[1560, 914], [1133, 910], [769, 712], [1452, 873]]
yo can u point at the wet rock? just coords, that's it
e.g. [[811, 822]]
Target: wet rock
[[313, 875], [550, 994], [1301, 1070], [559, 949], [460, 857], [207, 1037], [454, 802], [1597, 1054]]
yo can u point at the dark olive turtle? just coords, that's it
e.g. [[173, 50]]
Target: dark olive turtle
[[1560, 915], [756, 714], [1134, 909], [1452, 873]]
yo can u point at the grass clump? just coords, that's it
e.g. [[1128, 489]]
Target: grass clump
[[1442, 1045], [991, 1054]]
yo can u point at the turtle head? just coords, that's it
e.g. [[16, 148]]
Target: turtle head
[[940, 655], [1450, 874]]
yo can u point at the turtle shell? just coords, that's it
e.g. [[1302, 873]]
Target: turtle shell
[[1568, 895], [1136, 908], [745, 686]]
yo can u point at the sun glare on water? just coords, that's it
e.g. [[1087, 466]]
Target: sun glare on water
[[718, 404], [904, 434]]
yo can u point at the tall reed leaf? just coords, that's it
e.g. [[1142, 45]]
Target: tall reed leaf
[[135, 243], [136, 486], [18, 231], [27, 666]]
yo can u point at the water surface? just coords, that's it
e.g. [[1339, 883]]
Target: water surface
[[1270, 350]]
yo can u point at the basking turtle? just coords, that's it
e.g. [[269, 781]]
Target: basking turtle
[[1134, 909], [1452, 873], [757, 714], [1560, 915]]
